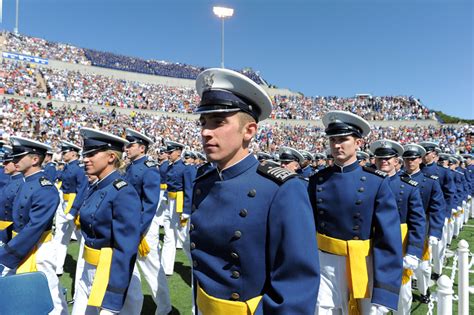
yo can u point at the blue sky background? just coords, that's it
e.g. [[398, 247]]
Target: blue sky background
[[422, 48]]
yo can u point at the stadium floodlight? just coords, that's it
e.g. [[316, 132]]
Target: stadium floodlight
[[222, 13]]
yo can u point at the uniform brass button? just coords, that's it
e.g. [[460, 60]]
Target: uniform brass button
[[193, 208], [401, 193], [322, 224], [319, 200], [198, 191], [235, 296], [191, 227], [355, 238], [361, 189], [243, 213], [192, 245], [195, 263], [355, 228], [90, 226], [424, 179], [320, 179], [321, 212], [320, 189], [237, 234], [235, 274], [234, 255], [402, 186], [363, 178], [358, 202], [252, 193], [357, 215]]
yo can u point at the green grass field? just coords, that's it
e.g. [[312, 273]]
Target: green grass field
[[179, 283]]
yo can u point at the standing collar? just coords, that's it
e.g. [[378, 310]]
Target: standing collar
[[238, 168], [108, 179], [34, 176], [16, 176], [139, 160], [347, 168]]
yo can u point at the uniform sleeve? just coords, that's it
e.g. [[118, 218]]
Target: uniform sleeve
[[387, 248], [449, 191], [150, 197], [126, 234], [189, 175], [43, 207], [81, 188], [436, 211], [293, 270], [416, 220]]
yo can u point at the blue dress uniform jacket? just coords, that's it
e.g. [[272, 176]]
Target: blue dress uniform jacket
[[7, 195], [33, 211], [4, 178], [144, 176], [433, 202], [176, 180], [465, 184], [306, 172], [252, 236], [446, 180], [470, 178], [459, 184], [50, 171], [163, 169], [74, 180], [110, 217], [190, 172], [355, 203], [410, 208]]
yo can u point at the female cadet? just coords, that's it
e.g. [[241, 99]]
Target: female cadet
[[110, 225]]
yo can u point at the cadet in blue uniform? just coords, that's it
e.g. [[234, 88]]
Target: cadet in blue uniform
[[49, 167], [290, 159], [8, 194], [363, 158], [434, 205], [179, 194], [4, 178], [252, 231], [470, 177], [163, 167], [446, 181], [356, 217], [319, 162], [74, 185], [33, 210], [110, 225], [410, 208], [306, 171], [462, 192], [142, 173]]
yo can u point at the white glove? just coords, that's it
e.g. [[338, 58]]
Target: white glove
[[378, 309], [433, 240], [410, 262], [106, 312], [184, 216], [69, 217], [469, 197], [453, 211]]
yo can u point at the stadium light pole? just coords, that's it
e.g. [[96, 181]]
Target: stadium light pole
[[15, 30], [222, 13]]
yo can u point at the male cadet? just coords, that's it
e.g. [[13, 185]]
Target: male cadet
[[8, 194], [31, 248], [434, 206], [446, 181], [410, 208], [163, 167], [319, 162], [49, 167], [306, 171], [189, 176], [4, 178], [362, 157], [179, 193], [470, 177], [143, 174], [358, 226], [74, 185], [263, 156], [252, 231], [290, 159], [460, 182]]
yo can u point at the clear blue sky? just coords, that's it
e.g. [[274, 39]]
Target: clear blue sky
[[422, 48]]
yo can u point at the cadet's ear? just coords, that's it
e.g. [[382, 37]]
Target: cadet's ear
[[359, 142]]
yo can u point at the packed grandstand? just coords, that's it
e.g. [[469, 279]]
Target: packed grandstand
[[93, 99]]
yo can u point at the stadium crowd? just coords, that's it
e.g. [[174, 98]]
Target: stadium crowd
[[41, 121]]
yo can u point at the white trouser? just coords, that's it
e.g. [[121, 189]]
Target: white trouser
[[468, 210], [162, 204], [133, 301], [423, 275], [405, 299], [439, 250], [45, 262], [153, 272], [62, 237], [172, 224], [79, 266], [333, 296]]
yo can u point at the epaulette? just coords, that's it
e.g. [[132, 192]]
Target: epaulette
[[408, 180], [431, 176], [374, 171], [277, 174], [119, 184], [150, 163], [459, 172], [45, 182]]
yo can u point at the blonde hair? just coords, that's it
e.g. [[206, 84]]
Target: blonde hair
[[119, 164]]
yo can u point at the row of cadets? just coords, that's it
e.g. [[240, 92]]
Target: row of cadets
[[163, 164], [306, 170], [357, 225], [50, 167], [434, 206], [469, 162], [142, 173], [110, 224], [179, 184], [319, 162], [411, 211], [73, 185], [461, 194], [290, 159], [8, 194], [4, 178], [445, 178], [252, 232], [30, 248]]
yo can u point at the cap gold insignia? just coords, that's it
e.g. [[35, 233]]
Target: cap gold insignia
[[208, 81]]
